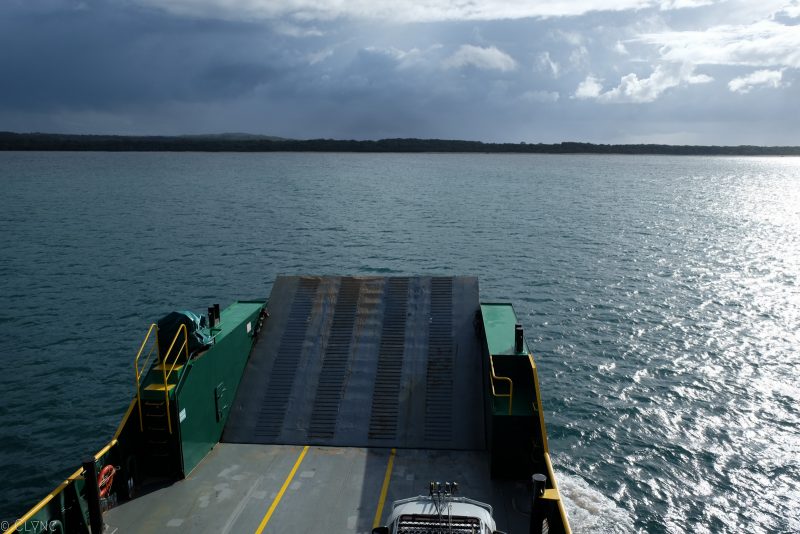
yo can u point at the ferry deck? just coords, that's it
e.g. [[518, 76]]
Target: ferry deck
[[358, 391]]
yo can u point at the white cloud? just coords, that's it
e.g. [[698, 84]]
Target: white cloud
[[635, 90], [540, 96], [489, 58], [579, 57], [791, 10], [683, 4], [292, 30], [591, 87], [406, 58], [392, 52], [619, 48], [546, 63], [573, 38], [406, 10], [767, 78], [764, 43]]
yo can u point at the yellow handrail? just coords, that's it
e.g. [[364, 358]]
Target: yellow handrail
[[19, 524], [139, 372], [510, 393], [183, 348], [561, 510], [105, 449], [125, 417], [550, 473], [539, 403]]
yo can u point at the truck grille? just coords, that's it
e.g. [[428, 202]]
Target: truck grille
[[426, 524]]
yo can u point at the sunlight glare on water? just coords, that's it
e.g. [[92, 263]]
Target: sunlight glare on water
[[660, 294]]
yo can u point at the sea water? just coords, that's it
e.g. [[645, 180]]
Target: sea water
[[661, 296]]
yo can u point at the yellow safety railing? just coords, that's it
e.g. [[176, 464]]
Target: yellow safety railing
[[166, 367], [125, 418], [19, 524], [184, 348], [102, 452], [510, 393], [554, 494], [154, 346], [539, 403]]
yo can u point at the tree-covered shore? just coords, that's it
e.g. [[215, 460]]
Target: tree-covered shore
[[254, 143]]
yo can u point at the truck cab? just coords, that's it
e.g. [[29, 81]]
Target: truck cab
[[440, 512]]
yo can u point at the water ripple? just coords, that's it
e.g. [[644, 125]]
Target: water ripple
[[661, 295]]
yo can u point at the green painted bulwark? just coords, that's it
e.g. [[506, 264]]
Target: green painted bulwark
[[499, 319], [209, 382], [512, 422]]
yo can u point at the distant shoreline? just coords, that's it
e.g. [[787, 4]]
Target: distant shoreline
[[251, 143]]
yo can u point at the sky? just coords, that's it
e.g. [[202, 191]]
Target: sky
[[613, 71]]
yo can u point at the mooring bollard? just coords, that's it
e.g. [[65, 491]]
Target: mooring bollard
[[93, 497], [538, 509]]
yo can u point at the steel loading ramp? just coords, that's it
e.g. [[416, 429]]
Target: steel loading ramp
[[365, 362]]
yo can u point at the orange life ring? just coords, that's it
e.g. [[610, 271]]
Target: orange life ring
[[104, 480]]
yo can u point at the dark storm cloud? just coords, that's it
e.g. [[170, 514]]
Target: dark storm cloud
[[123, 66], [107, 56], [121, 59]]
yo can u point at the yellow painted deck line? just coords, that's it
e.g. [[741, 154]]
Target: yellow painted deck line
[[279, 496], [384, 489]]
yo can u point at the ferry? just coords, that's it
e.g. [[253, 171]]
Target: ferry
[[341, 404]]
